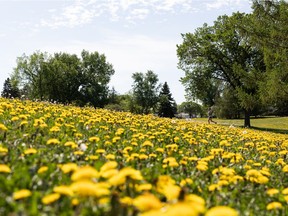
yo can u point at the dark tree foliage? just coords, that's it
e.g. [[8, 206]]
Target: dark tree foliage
[[193, 109], [269, 30], [9, 91], [145, 92], [167, 105], [220, 53], [65, 78]]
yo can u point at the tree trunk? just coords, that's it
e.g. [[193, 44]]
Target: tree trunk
[[247, 119]]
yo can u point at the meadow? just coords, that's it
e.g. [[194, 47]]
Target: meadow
[[66, 160]]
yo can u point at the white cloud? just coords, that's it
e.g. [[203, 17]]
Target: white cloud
[[217, 4], [82, 11], [2, 35]]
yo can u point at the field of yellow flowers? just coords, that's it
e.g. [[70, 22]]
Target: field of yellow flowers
[[65, 160]]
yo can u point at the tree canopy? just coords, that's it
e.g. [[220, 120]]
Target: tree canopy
[[167, 105], [145, 90], [219, 56], [65, 78]]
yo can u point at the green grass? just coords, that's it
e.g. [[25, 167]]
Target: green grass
[[272, 124]]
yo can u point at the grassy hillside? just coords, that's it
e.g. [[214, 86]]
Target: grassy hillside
[[65, 160]]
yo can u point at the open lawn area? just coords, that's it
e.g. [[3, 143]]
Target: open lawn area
[[273, 124]]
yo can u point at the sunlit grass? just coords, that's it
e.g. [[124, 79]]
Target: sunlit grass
[[274, 124]]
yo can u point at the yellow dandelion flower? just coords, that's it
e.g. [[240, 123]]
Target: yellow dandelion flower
[[161, 150], [201, 167], [274, 205], [78, 152], [108, 166], [214, 187], [23, 123], [63, 189], [89, 188], [144, 187], [42, 169], [15, 118], [126, 201], [4, 168], [92, 157], [53, 141], [54, 129], [71, 144], [147, 143], [285, 191], [221, 210], [30, 151], [100, 151], [75, 202], [21, 194], [3, 150], [272, 191], [69, 167], [86, 172], [147, 202], [110, 157], [182, 209], [50, 198], [143, 157], [285, 169], [3, 127]]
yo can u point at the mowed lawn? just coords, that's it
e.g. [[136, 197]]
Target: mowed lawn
[[273, 124]]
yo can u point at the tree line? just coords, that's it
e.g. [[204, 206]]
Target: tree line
[[238, 66], [83, 81]]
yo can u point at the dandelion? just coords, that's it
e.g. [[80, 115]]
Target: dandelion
[[63, 189], [86, 172], [50, 198], [3, 150], [3, 127], [21, 194], [285, 191], [42, 169], [89, 188], [100, 151], [221, 211], [53, 141], [272, 191], [94, 139], [110, 157], [69, 167], [274, 205], [4, 168], [30, 151], [108, 166], [126, 201], [147, 202], [285, 169]]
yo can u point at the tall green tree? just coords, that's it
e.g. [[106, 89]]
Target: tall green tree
[[220, 53], [96, 73], [32, 71], [10, 91], [65, 78], [145, 90], [269, 29], [167, 105], [192, 108]]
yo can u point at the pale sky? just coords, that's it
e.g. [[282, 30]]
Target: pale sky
[[134, 35]]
